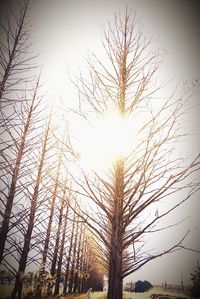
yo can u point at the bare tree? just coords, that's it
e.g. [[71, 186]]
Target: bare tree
[[58, 233], [52, 210], [151, 172], [73, 259], [82, 266], [77, 266], [17, 291], [15, 59], [67, 271], [15, 170], [61, 249], [19, 103]]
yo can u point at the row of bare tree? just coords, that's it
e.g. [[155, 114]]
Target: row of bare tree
[[39, 228]]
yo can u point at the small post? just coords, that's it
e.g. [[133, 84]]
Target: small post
[[88, 296]]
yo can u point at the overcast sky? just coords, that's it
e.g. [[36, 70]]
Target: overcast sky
[[65, 30]]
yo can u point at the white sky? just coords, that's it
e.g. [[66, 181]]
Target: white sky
[[65, 30]]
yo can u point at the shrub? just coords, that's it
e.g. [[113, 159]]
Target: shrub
[[142, 286]]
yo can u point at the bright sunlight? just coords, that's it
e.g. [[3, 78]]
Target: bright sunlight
[[104, 141]]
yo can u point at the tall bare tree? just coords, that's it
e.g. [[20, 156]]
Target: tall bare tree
[[17, 291], [69, 253], [151, 172], [58, 234], [15, 170], [61, 249], [77, 266], [18, 112], [73, 259], [81, 287], [52, 209]]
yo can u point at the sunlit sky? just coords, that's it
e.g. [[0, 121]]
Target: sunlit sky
[[65, 31]]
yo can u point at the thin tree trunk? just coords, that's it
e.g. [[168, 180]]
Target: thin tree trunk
[[85, 267], [55, 254], [77, 267], [17, 291], [58, 274], [47, 238], [80, 287], [71, 278], [69, 258], [8, 209]]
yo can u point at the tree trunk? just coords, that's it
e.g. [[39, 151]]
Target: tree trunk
[[76, 277], [55, 253], [69, 258], [72, 272], [115, 280], [47, 238], [58, 274], [115, 274], [80, 286], [85, 267], [23, 259]]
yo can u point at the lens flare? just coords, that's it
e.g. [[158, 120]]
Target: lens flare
[[107, 139]]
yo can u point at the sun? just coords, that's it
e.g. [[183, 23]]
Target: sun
[[104, 141]]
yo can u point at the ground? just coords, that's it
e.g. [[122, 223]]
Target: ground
[[152, 294]]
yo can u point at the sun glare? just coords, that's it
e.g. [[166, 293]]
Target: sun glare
[[104, 141]]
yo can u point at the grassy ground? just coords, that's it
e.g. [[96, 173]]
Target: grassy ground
[[98, 295], [5, 292], [95, 295], [154, 291]]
